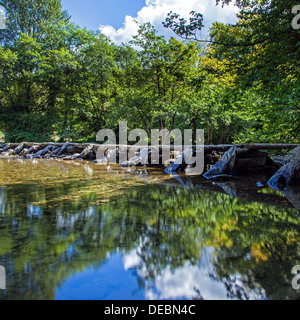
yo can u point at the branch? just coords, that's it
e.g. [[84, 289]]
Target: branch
[[188, 31], [249, 44]]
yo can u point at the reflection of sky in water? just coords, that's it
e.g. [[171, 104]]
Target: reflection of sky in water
[[183, 282], [179, 283], [34, 212], [108, 282], [117, 279]]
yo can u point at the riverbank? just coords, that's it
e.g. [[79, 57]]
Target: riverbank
[[218, 162]]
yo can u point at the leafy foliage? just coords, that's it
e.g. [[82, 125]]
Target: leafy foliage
[[59, 81]]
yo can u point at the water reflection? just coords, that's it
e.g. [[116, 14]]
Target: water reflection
[[68, 232]]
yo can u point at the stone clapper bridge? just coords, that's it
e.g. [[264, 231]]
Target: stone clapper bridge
[[222, 162]]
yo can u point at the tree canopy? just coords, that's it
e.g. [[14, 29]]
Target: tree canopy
[[59, 81]]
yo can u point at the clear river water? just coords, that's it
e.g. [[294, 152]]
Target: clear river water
[[77, 230]]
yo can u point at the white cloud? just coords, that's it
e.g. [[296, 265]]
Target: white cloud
[[155, 12], [181, 282]]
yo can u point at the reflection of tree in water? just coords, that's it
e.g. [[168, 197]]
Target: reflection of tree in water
[[273, 274], [42, 245], [40, 251], [255, 245]]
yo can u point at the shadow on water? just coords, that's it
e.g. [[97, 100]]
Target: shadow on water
[[76, 231]]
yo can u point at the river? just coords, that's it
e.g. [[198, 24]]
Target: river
[[77, 230]]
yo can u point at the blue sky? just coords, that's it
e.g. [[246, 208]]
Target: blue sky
[[93, 13], [117, 18]]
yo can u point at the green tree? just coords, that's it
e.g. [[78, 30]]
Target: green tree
[[24, 100], [162, 77], [263, 49]]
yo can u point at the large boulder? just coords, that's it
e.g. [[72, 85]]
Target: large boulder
[[242, 160], [140, 159], [289, 174], [112, 156], [19, 148], [63, 149], [225, 165]]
